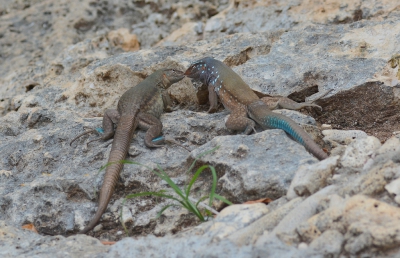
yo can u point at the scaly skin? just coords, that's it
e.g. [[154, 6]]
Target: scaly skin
[[241, 100], [141, 106]]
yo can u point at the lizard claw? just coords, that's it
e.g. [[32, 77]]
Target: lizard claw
[[212, 110], [172, 140], [96, 130], [167, 139]]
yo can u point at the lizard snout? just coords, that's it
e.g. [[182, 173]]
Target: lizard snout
[[192, 71], [188, 72]]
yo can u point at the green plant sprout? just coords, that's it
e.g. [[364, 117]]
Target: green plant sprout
[[183, 199]]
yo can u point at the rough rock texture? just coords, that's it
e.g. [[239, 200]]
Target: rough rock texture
[[64, 63], [22, 243], [248, 174]]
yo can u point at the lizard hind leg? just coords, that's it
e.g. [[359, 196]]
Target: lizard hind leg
[[96, 130], [82, 134], [100, 131], [283, 102], [286, 103], [238, 121], [110, 117], [154, 127]]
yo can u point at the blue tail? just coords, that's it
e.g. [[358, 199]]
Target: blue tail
[[276, 122], [268, 119]]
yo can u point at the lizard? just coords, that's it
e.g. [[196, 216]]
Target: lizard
[[140, 106], [245, 106]]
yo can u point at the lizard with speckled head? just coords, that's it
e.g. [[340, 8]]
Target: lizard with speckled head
[[245, 105]]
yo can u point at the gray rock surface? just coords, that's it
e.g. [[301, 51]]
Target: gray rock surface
[[24, 243], [311, 178], [248, 175], [65, 63]]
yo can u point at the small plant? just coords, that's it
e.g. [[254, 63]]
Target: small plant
[[183, 197]]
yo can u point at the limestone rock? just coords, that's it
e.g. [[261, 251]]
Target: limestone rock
[[62, 67], [249, 173], [123, 39], [328, 243], [311, 178], [234, 218], [357, 152]]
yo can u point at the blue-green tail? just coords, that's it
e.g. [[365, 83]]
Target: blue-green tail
[[272, 121], [268, 119]]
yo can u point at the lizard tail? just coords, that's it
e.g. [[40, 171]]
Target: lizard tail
[[267, 119], [122, 139]]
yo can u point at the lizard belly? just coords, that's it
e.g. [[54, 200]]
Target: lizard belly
[[155, 107], [229, 101]]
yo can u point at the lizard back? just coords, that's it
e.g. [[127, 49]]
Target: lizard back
[[228, 85]]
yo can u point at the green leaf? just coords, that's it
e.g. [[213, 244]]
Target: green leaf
[[163, 209], [194, 178], [201, 199], [183, 198], [213, 186], [120, 218], [201, 155], [169, 181], [219, 197]]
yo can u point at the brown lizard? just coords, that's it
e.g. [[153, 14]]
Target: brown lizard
[[243, 103], [141, 106]]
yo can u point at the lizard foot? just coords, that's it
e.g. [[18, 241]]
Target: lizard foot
[[172, 140], [97, 130], [249, 130]]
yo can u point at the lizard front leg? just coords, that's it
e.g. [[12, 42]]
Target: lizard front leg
[[239, 121], [167, 101], [213, 99]]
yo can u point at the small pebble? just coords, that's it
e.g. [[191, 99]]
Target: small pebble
[[98, 228], [302, 246]]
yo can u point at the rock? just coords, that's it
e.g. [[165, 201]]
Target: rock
[[276, 71], [20, 242], [65, 64], [328, 243], [234, 218], [326, 127], [249, 234], [123, 39], [97, 228], [249, 173], [357, 152], [297, 116], [394, 189], [302, 211], [67, 190], [216, 24], [309, 179], [363, 221], [193, 246], [189, 32], [343, 137], [126, 215], [390, 147]]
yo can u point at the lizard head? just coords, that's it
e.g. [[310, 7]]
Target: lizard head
[[198, 70], [171, 76]]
